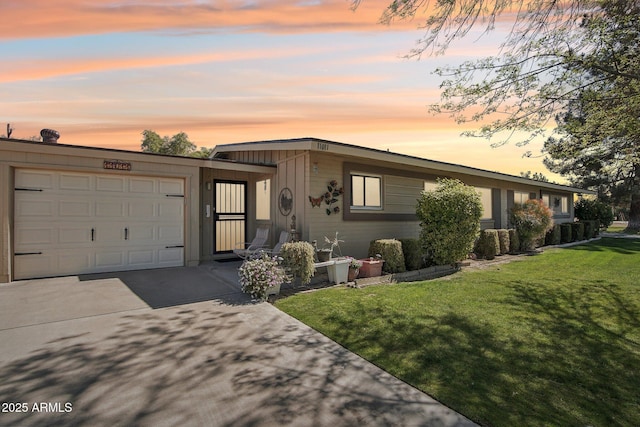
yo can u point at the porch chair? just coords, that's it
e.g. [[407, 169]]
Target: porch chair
[[284, 238], [247, 250]]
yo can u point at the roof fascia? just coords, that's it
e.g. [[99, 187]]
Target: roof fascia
[[320, 145]]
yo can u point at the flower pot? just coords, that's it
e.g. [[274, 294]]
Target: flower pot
[[353, 274], [324, 255], [371, 267], [273, 290], [339, 270]]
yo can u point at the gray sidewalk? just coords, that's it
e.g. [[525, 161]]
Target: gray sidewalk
[[213, 359]]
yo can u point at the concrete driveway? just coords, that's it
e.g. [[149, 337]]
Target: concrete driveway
[[183, 347]]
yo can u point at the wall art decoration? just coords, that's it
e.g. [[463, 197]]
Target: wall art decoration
[[285, 201], [330, 197]]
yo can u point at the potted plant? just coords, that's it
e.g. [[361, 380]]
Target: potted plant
[[326, 253], [354, 268], [261, 276]]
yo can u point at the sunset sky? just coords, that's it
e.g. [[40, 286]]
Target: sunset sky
[[102, 71]]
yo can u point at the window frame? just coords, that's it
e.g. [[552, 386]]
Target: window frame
[[364, 206]]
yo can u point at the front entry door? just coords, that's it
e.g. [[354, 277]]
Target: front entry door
[[230, 215]]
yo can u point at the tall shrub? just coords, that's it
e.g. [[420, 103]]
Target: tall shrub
[[297, 257], [449, 221], [594, 210], [532, 219]]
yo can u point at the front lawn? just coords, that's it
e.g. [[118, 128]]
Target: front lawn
[[553, 339]]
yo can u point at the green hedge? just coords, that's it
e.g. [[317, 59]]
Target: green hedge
[[566, 233], [514, 241], [391, 251], [488, 244], [554, 236], [577, 231], [591, 228], [505, 241], [412, 254]]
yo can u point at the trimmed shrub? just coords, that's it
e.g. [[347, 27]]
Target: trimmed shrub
[[298, 258], [391, 251], [554, 236], [532, 219], [449, 221], [577, 231], [590, 229], [594, 210], [488, 245], [566, 233], [505, 242], [412, 254], [514, 241]]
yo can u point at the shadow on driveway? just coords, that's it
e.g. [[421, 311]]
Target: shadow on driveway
[[168, 287]]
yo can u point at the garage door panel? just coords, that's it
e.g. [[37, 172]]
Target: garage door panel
[[142, 258], [75, 182], [111, 209], [28, 207], [170, 234], [35, 179], [142, 209], [42, 265], [172, 187], [170, 257], [72, 262], [111, 233], [142, 185], [75, 208], [28, 237], [83, 223], [71, 235], [143, 234], [110, 184], [110, 260], [171, 208]]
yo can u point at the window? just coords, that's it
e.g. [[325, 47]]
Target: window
[[430, 185], [520, 197], [558, 204], [365, 191], [487, 202], [263, 200]]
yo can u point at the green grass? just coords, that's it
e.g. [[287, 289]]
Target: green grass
[[553, 339]]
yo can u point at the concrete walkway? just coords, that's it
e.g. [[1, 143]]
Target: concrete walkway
[[183, 347]]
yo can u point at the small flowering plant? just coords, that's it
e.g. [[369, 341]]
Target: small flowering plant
[[258, 275], [355, 264]]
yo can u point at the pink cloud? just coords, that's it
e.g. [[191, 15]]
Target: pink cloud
[[61, 18]]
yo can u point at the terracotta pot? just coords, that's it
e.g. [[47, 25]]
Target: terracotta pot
[[353, 274]]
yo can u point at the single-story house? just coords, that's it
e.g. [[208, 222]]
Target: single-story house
[[68, 209]]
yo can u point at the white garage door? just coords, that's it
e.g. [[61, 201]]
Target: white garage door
[[72, 223]]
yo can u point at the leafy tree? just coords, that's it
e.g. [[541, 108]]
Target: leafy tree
[[177, 145], [587, 210], [557, 54], [449, 221], [536, 176]]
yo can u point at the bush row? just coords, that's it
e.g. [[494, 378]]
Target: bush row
[[399, 255], [572, 232], [492, 242]]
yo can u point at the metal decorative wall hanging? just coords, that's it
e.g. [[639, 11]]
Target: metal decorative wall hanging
[[285, 201], [330, 197]]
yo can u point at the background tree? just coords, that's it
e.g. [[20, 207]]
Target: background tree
[[536, 176], [177, 145], [555, 54]]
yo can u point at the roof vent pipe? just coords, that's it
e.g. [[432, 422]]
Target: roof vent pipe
[[49, 136]]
